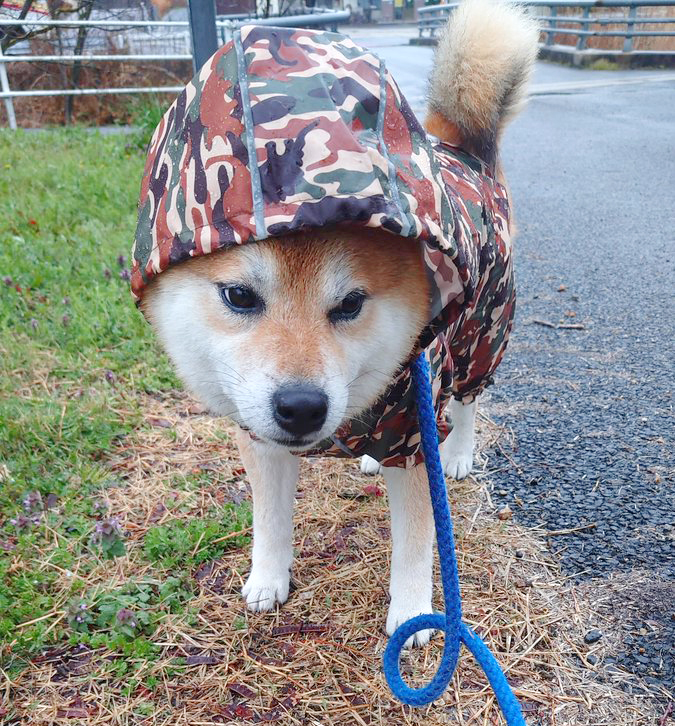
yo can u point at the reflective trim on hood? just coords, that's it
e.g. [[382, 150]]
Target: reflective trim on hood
[[286, 129], [256, 188]]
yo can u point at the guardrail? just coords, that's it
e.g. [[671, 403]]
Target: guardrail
[[433, 17], [149, 41]]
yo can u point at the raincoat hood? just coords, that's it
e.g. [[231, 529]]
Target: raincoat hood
[[286, 129]]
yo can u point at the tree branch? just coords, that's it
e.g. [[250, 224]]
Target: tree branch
[[14, 33]]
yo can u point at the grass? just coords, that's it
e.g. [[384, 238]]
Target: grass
[[71, 343], [125, 518], [74, 355], [146, 112]]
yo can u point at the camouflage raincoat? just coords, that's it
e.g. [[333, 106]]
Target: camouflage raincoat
[[287, 129]]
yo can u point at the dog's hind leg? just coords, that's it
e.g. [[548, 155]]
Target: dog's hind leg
[[273, 474], [457, 449], [412, 535]]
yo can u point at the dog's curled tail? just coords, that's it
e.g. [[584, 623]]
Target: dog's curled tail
[[483, 63]]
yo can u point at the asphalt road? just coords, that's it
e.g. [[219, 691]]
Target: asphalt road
[[592, 410], [592, 172]]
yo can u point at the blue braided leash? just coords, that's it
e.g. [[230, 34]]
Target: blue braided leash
[[455, 630]]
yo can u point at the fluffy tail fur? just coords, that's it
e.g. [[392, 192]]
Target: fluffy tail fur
[[483, 63]]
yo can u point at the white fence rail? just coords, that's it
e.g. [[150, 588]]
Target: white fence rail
[[615, 12], [136, 40]]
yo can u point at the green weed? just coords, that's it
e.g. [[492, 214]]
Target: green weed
[[604, 64], [73, 353], [146, 112], [190, 543]]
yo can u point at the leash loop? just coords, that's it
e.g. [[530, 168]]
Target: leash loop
[[456, 632]]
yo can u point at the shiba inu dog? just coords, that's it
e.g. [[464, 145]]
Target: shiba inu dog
[[300, 239]]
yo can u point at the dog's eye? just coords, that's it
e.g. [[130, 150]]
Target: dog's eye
[[349, 308], [240, 299]]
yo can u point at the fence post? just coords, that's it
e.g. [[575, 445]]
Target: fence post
[[202, 31], [435, 15], [552, 24], [4, 84], [581, 43], [630, 27]]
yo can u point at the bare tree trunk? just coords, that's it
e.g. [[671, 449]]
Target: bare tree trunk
[[84, 12], [64, 76], [9, 37]]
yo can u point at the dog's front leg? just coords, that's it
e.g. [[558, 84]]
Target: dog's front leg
[[412, 535], [273, 474]]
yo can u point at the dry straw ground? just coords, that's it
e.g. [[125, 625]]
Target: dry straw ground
[[317, 660]]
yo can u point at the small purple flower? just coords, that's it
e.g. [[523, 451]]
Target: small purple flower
[[79, 615], [109, 536], [125, 274], [8, 280], [110, 377], [100, 505], [122, 261], [107, 530], [107, 274], [65, 320], [126, 617], [32, 502], [22, 522]]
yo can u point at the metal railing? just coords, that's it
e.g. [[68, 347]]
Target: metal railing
[[145, 45], [433, 17]]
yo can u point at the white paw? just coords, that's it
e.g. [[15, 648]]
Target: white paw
[[370, 466], [398, 614], [457, 449], [263, 591], [457, 462]]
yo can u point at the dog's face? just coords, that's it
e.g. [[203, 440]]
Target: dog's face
[[290, 337]]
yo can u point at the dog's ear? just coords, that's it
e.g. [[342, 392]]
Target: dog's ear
[[483, 63]]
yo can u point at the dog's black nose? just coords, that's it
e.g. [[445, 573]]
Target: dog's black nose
[[300, 410]]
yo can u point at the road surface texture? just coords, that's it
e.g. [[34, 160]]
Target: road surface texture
[[591, 165]]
